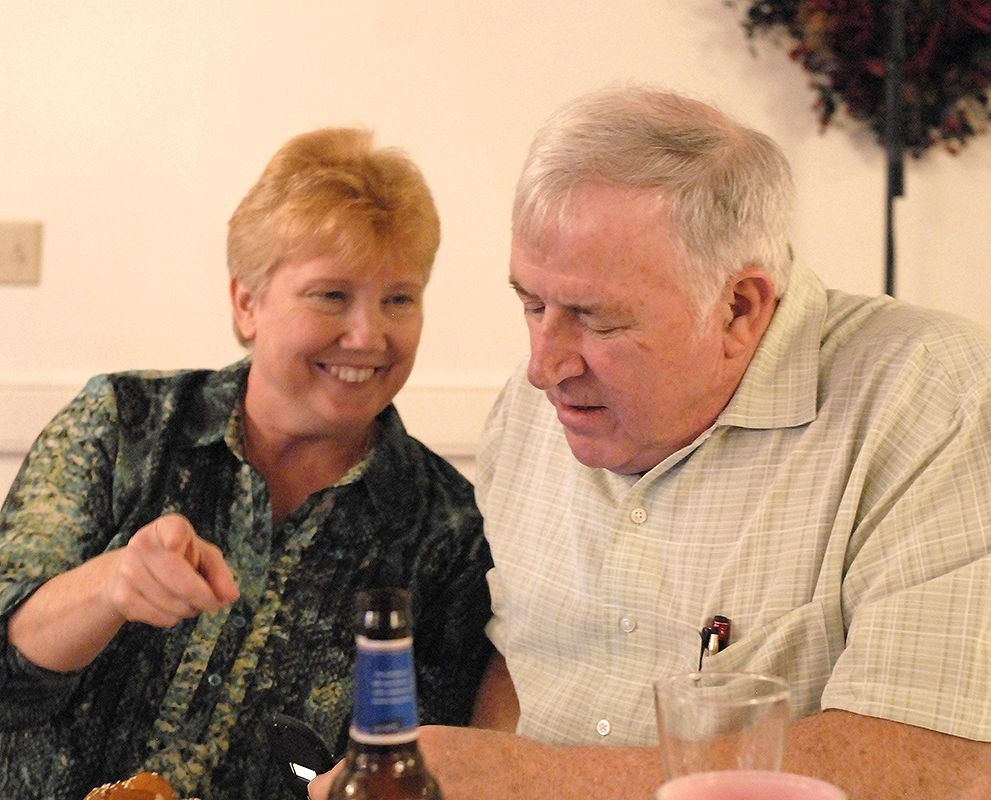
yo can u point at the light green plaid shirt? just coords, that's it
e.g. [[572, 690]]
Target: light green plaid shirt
[[838, 512]]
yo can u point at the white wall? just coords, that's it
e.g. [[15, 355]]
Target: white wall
[[132, 129]]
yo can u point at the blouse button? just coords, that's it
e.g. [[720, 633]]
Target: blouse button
[[628, 624], [638, 515], [603, 727]]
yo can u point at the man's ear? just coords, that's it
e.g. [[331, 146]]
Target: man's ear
[[751, 304], [243, 302]]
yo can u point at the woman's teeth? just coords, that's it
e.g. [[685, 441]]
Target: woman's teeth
[[352, 374]]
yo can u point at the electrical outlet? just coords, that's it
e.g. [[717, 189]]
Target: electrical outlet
[[20, 252]]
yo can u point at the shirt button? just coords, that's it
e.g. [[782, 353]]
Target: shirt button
[[628, 624], [603, 727], [638, 515], [214, 679], [238, 620]]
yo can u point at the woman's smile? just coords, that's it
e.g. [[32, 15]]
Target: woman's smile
[[350, 374]]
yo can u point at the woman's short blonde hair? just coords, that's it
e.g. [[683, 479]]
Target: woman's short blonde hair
[[330, 191]]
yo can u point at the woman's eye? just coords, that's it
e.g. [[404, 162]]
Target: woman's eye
[[335, 296], [401, 304]]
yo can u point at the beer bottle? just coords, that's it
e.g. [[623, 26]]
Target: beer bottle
[[383, 759]]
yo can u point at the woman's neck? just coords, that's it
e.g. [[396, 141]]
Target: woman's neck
[[296, 467]]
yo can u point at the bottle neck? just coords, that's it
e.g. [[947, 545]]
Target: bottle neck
[[385, 712], [400, 751]]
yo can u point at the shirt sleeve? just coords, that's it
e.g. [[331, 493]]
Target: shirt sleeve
[[34, 692], [488, 452], [56, 516], [916, 593], [450, 626]]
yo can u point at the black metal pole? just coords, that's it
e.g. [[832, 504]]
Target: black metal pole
[[893, 129]]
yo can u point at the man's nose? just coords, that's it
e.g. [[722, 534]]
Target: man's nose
[[555, 352]]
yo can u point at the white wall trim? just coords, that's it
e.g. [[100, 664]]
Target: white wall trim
[[26, 407], [448, 419]]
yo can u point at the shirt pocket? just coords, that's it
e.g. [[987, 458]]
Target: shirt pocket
[[802, 647]]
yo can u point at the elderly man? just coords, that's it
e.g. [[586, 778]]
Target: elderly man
[[723, 436]]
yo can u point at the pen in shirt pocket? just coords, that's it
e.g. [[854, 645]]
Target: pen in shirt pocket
[[715, 637]]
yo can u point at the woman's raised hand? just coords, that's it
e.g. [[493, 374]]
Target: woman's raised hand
[[167, 573]]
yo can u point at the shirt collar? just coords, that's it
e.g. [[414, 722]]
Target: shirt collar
[[220, 419], [390, 470], [221, 406], [780, 387]]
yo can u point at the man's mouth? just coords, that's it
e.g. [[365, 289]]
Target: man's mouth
[[575, 414], [352, 374], [560, 403]]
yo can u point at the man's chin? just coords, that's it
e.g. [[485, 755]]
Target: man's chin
[[593, 453], [609, 455]]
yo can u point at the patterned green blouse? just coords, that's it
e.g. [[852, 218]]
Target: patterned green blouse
[[192, 702]]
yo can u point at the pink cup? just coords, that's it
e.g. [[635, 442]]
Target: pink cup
[[748, 785]]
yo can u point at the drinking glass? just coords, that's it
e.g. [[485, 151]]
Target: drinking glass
[[748, 785], [711, 721]]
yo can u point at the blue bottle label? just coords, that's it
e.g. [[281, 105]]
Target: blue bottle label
[[385, 692]]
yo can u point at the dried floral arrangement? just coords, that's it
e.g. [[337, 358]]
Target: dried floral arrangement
[[842, 43]]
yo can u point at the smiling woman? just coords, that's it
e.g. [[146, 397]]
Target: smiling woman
[[329, 254], [333, 340], [233, 514]]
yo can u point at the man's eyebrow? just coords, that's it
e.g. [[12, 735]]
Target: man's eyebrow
[[518, 287], [577, 308]]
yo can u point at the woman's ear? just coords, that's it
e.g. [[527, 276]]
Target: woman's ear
[[751, 300], [243, 302]]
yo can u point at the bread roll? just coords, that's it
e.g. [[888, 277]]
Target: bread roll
[[143, 786]]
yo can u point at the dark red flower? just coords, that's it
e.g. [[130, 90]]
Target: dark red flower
[[843, 45]]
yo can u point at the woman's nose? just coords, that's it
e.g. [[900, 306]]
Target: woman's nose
[[366, 328]]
